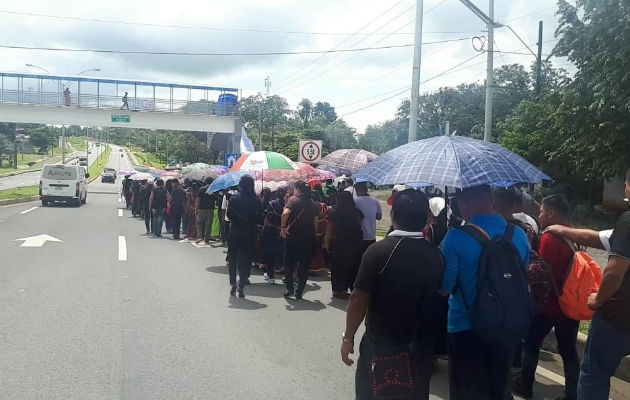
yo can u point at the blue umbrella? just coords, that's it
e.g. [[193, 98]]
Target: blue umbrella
[[453, 161], [228, 180]]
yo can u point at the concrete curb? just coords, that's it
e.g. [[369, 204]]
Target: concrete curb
[[19, 172], [550, 344], [19, 201]]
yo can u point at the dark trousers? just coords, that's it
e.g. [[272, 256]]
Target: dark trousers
[[157, 219], [477, 370], [128, 200], [176, 222], [240, 256], [422, 367], [344, 265], [366, 244], [204, 224], [605, 347], [269, 258], [298, 253], [135, 206], [146, 214], [566, 331]]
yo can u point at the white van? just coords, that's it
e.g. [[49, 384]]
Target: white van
[[63, 183]]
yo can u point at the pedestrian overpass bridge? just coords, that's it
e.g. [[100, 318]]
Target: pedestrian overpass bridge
[[73, 100]]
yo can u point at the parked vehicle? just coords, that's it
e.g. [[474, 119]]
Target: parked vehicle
[[65, 183], [83, 161]]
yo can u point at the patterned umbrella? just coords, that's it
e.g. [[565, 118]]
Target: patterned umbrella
[[141, 176], [263, 161], [128, 172], [171, 174], [141, 168], [346, 161], [453, 161], [189, 168], [324, 175], [302, 172], [201, 170]]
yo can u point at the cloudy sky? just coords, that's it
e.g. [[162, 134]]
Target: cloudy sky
[[350, 81]]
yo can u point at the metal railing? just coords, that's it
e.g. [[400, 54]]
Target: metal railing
[[223, 104]]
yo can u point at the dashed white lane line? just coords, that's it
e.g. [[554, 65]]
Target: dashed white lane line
[[29, 210], [120, 212], [550, 375], [120, 199], [122, 248]]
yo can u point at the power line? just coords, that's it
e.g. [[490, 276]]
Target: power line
[[211, 28], [343, 41], [373, 104], [301, 75], [374, 96], [355, 55], [178, 53]]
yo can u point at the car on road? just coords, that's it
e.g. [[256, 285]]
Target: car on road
[[64, 183], [108, 175], [83, 161]]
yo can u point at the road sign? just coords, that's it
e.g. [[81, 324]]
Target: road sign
[[310, 151], [37, 241], [230, 159], [121, 118]]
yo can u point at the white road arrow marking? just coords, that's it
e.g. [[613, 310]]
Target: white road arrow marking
[[29, 210], [37, 241]]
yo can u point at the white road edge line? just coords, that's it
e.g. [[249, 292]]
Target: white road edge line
[[120, 212], [550, 375], [29, 210], [122, 248]]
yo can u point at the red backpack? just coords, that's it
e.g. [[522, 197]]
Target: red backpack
[[541, 282]]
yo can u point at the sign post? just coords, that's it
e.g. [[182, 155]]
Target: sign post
[[230, 159], [121, 118], [310, 151]]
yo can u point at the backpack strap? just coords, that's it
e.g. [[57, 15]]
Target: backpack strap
[[509, 231], [476, 232]]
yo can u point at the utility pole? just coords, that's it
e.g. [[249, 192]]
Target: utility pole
[[87, 147], [539, 58], [63, 144], [415, 77], [15, 147], [487, 130]]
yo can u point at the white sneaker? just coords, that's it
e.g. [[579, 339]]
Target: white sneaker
[[265, 276], [271, 281]]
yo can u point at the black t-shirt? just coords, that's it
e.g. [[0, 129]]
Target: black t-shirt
[[159, 198], [346, 229], [303, 211], [403, 291], [206, 201], [616, 310], [178, 197]]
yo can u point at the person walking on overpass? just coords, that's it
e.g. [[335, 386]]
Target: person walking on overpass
[[124, 101]]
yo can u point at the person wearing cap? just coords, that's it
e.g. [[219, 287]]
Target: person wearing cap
[[396, 288]]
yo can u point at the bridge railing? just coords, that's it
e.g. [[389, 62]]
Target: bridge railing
[[45, 90]]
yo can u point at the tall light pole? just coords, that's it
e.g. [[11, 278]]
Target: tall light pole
[[89, 70], [487, 126], [38, 67], [415, 77]]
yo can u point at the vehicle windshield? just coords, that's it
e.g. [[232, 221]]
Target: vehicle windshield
[[59, 172]]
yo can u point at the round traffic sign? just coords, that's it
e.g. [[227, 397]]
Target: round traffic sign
[[311, 151]]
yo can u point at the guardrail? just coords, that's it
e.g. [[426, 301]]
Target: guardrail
[[79, 92]]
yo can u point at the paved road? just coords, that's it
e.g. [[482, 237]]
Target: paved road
[[79, 323], [32, 178]]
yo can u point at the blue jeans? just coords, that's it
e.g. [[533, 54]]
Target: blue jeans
[[157, 219], [605, 347], [184, 222]]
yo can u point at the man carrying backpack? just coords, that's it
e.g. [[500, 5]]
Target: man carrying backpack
[[555, 251], [480, 349]]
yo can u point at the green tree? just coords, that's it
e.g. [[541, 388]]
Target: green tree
[[324, 109], [304, 111], [42, 138], [593, 116]]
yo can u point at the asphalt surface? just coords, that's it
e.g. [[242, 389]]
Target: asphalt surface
[[32, 178], [77, 323]]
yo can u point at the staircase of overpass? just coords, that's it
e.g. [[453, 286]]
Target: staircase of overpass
[[86, 101]]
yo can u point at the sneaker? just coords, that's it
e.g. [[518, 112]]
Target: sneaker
[[233, 291], [341, 295], [298, 296], [518, 388], [247, 282], [271, 281], [288, 293], [265, 276]]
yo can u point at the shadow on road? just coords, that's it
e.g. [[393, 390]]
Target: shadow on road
[[304, 305], [339, 304], [218, 269], [245, 304]]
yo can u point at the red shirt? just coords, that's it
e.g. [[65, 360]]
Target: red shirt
[[555, 251]]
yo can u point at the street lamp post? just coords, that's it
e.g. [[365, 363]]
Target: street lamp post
[[89, 70], [38, 67]]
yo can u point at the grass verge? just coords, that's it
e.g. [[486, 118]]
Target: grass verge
[[149, 159], [97, 166], [19, 192], [77, 142]]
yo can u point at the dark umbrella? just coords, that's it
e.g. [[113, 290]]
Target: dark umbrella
[[346, 161]]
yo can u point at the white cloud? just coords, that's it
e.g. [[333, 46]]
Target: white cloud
[[338, 78]]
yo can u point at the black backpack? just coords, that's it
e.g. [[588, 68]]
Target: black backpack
[[503, 308]]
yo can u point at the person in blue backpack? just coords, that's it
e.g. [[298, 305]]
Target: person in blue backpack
[[480, 345]]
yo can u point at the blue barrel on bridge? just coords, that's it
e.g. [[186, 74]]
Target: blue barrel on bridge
[[227, 104]]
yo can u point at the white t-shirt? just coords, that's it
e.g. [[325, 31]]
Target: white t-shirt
[[604, 237], [351, 190], [370, 207]]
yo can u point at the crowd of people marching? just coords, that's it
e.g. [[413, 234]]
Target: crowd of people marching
[[479, 278]]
